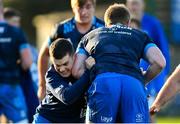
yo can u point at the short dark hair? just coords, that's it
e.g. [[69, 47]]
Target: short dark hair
[[117, 13], [80, 3], [60, 48], [11, 12]]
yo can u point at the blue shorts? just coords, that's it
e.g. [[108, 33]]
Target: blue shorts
[[39, 119], [12, 102], [115, 97]]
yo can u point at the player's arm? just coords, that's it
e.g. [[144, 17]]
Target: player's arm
[[162, 43], [25, 56], [24, 50], [170, 88], [64, 92], [80, 57], [79, 65], [43, 60], [156, 60]]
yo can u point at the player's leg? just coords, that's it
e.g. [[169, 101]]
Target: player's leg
[[14, 104], [134, 106], [103, 100]]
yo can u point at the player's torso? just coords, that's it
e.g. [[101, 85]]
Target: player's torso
[[54, 109], [8, 42], [9, 53], [120, 40], [116, 49]]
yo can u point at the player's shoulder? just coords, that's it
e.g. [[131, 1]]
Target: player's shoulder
[[69, 21], [66, 21], [52, 73], [93, 32], [13, 30], [98, 22], [67, 25], [140, 33], [151, 19]]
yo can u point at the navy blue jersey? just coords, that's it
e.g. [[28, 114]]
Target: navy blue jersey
[[68, 29], [116, 49], [64, 97], [12, 41]]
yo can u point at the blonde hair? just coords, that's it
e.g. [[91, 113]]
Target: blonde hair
[[80, 3]]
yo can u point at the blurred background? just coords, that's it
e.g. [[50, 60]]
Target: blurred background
[[40, 16]]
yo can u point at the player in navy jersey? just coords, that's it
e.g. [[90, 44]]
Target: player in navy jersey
[[117, 93], [13, 47], [73, 29], [64, 99]]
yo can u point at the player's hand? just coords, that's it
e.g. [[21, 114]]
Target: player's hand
[[154, 109], [90, 61], [41, 92]]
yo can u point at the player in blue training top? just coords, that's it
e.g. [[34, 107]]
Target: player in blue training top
[[73, 29], [154, 29], [64, 99], [13, 47], [117, 93], [13, 17]]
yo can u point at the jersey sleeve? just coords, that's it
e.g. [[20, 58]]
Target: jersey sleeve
[[61, 89], [148, 44], [81, 49], [22, 40]]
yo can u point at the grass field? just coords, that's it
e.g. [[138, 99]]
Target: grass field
[[168, 120]]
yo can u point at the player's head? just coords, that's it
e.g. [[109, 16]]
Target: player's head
[[62, 56], [117, 13], [12, 16], [135, 23], [136, 7], [83, 10]]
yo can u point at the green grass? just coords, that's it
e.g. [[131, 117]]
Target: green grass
[[168, 120]]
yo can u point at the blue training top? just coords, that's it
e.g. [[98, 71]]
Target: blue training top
[[67, 29], [116, 49], [12, 42], [64, 99], [153, 28]]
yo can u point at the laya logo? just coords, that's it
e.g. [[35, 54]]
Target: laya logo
[[106, 119]]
